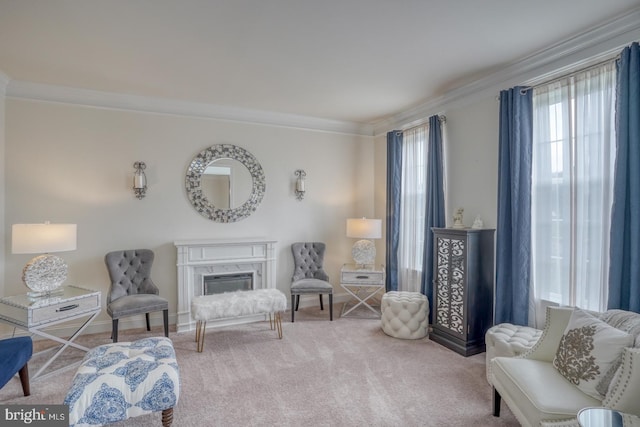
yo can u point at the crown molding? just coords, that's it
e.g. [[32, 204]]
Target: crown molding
[[571, 53], [92, 98], [598, 42]]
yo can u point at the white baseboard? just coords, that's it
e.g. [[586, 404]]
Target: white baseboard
[[97, 326]]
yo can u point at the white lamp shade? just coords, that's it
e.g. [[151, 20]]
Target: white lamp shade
[[43, 238], [363, 228]]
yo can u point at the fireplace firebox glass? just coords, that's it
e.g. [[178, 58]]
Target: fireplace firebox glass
[[219, 283]]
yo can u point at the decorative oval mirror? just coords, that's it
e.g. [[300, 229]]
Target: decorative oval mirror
[[225, 183]]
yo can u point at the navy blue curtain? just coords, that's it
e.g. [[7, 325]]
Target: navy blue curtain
[[624, 267], [513, 234], [394, 181], [435, 204]]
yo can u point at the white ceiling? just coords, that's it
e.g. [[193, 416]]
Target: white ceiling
[[349, 60]]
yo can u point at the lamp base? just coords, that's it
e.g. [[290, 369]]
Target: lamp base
[[364, 253], [44, 274], [39, 296]]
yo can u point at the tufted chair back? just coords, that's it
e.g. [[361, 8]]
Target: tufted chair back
[[308, 258], [130, 271]]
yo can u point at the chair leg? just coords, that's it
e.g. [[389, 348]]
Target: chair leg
[[321, 306], [297, 301], [293, 310], [165, 315], [146, 315], [114, 330], [496, 402], [331, 307], [24, 379]]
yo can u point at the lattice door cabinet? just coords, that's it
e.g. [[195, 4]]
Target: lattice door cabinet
[[462, 288]]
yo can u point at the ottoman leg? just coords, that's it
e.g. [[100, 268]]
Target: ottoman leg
[[200, 335], [167, 417], [278, 322]]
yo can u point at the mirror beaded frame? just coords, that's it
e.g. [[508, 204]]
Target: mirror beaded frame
[[194, 180]]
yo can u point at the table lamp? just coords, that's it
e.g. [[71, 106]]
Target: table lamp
[[364, 251], [44, 273]]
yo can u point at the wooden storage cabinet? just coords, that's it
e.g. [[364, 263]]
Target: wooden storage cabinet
[[462, 288]]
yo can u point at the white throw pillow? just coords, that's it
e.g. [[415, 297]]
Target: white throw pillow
[[587, 349]]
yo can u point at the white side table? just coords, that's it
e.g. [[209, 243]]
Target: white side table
[[362, 283], [36, 314], [605, 417]]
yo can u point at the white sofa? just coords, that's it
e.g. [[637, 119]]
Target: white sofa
[[539, 395]]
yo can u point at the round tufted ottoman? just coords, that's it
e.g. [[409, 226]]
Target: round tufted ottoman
[[405, 314], [508, 340]]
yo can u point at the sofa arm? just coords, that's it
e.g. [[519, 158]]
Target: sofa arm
[[547, 346], [624, 392]]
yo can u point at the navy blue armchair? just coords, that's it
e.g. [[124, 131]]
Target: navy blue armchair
[[14, 356]]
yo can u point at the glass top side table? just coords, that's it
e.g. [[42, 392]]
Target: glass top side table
[[34, 314], [604, 417], [363, 284]]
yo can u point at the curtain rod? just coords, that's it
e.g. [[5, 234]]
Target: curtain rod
[[570, 74], [441, 118]]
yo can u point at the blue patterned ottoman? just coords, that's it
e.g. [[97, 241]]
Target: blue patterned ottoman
[[123, 380]]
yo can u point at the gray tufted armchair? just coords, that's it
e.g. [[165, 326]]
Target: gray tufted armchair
[[132, 291], [308, 274]]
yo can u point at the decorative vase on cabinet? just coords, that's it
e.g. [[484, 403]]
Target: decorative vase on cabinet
[[462, 288]]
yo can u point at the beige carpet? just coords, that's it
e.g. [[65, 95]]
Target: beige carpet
[[341, 373]]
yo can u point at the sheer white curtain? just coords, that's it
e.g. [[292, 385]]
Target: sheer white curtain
[[412, 208], [572, 188]]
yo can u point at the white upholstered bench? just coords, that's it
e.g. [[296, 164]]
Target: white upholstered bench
[[237, 304]]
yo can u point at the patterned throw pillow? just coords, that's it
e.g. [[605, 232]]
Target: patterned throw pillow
[[587, 349]]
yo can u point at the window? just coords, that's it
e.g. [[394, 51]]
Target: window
[[572, 187], [412, 208]]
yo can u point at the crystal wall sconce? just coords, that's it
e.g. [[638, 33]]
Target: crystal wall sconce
[[301, 174], [139, 180]]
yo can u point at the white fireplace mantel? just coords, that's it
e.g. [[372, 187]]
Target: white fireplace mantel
[[197, 258]]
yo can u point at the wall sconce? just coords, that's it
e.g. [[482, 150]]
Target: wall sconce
[[139, 180], [301, 174]]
